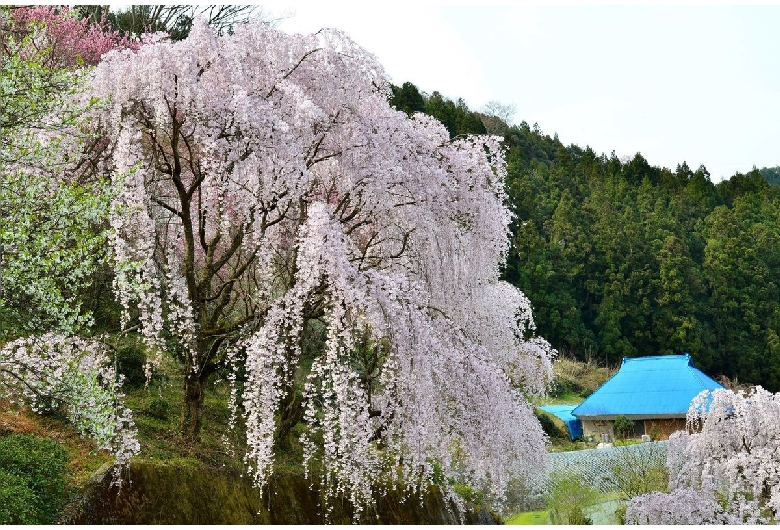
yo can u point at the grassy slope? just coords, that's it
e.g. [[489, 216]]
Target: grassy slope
[[84, 460], [541, 517], [156, 411], [574, 380]]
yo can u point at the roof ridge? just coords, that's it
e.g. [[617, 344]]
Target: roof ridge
[[675, 356]]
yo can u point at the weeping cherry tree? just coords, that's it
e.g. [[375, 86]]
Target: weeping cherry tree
[[274, 207], [726, 470]]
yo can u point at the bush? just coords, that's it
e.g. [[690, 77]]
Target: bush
[[624, 428], [562, 387], [640, 470], [17, 500], [158, 408], [655, 432], [620, 514], [130, 360], [548, 425], [567, 499], [34, 471]]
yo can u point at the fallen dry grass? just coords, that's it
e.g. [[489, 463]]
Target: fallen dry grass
[[582, 378]]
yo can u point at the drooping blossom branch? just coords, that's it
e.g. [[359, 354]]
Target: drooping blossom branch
[[53, 372]]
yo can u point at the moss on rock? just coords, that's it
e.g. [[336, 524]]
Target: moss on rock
[[156, 493]]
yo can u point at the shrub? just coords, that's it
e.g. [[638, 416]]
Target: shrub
[[562, 387], [567, 499], [158, 408], [548, 426], [130, 360], [624, 428], [655, 432], [33, 476], [640, 470], [17, 500], [620, 514]]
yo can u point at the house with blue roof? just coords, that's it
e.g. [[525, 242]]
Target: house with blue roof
[[653, 392]]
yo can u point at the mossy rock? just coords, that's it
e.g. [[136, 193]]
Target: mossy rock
[[156, 493]]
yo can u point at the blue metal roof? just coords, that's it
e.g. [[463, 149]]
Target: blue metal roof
[[658, 387], [563, 412]]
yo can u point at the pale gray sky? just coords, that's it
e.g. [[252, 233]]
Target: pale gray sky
[[698, 83]]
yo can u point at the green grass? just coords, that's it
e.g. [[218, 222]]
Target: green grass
[[541, 517], [563, 399], [157, 411]]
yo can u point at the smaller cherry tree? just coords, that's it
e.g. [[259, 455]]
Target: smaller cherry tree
[[727, 470], [56, 373]]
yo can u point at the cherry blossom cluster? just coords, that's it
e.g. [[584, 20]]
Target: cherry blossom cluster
[[75, 376], [67, 40], [726, 467], [267, 186]]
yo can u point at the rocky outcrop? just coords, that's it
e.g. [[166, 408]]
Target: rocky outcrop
[[156, 493]]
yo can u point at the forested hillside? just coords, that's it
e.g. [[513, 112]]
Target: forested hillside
[[623, 258]]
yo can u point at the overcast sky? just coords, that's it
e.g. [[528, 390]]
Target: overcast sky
[[698, 84]]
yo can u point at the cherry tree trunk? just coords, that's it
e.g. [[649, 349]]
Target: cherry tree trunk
[[192, 414]]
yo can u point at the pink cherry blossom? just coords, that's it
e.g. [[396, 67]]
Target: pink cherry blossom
[[69, 40]]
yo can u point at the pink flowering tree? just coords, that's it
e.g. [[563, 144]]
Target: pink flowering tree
[[727, 470], [60, 37], [278, 216]]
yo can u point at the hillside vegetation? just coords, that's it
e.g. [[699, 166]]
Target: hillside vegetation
[[575, 380], [362, 342]]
